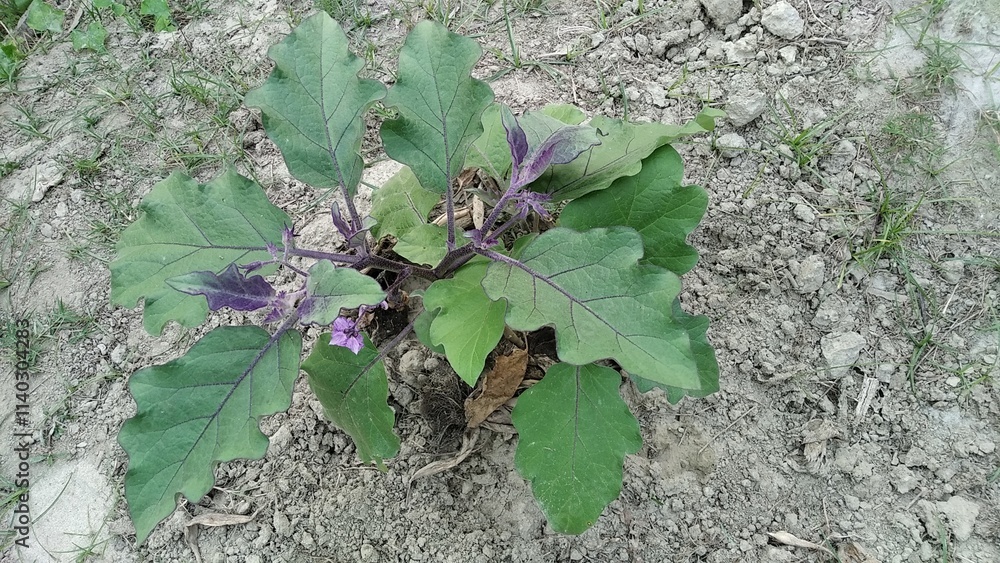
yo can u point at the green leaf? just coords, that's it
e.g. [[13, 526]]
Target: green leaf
[[401, 204], [201, 409], [42, 17], [93, 38], [439, 103], [10, 61], [423, 244], [422, 328], [620, 154], [652, 202], [467, 322], [353, 390], [313, 102], [160, 11], [188, 227], [704, 357], [574, 433], [602, 303], [330, 289]]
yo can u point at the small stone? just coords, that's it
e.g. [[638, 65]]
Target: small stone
[[45, 230], [76, 196], [658, 95], [723, 12], [745, 107], [38, 180], [841, 350], [915, 457], [282, 526], [952, 381], [961, 514], [697, 26], [952, 270], [782, 20], [61, 209], [118, 355], [368, 552], [675, 37], [279, 441], [804, 213], [596, 39], [811, 274], [853, 502], [788, 54], [731, 145]]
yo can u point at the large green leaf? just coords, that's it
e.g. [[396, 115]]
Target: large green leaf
[[401, 204], [330, 289], [201, 409], [704, 357], [652, 202], [42, 17], [574, 433], [620, 153], [353, 390], [313, 104], [423, 244], [187, 227], [602, 303], [439, 104], [467, 323]]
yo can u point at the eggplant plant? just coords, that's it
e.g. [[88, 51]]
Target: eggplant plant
[[603, 273]]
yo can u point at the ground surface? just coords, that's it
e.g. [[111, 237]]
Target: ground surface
[[850, 265]]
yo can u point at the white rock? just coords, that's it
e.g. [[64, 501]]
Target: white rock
[[811, 274], [731, 145], [723, 12], [35, 181], [804, 213], [961, 514], [788, 54], [61, 209], [745, 107], [697, 26], [841, 350], [782, 20], [658, 95], [676, 37]]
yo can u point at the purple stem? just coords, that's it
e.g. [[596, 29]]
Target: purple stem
[[320, 255], [450, 211]]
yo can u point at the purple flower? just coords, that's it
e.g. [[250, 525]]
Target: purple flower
[[345, 333]]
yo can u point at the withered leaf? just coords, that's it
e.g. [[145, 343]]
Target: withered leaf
[[498, 386]]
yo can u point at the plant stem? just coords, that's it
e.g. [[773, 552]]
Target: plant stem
[[355, 218], [454, 260], [450, 210], [320, 255]]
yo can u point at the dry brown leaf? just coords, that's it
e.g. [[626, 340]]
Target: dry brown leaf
[[468, 442], [478, 212], [785, 538], [498, 386]]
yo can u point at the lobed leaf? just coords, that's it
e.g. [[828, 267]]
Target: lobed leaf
[[230, 289], [42, 17], [201, 409], [574, 433], [601, 302], [466, 322], [652, 202], [538, 141], [423, 244], [313, 102], [704, 357], [330, 289], [620, 153], [401, 204], [188, 227], [353, 390], [439, 103]]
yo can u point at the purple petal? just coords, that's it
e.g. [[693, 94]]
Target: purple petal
[[229, 289], [355, 344]]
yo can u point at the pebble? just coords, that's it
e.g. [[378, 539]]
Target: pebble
[[61, 209], [804, 213], [368, 552], [118, 355], [961, 514], [45, 230], [731, 145], [841, 350], [697, 26], [782, 20], [811, 275], [282, 526], [788, 54], [745, 107], [723, 12]]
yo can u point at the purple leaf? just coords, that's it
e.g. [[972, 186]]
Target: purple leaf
[[346, 334], [516, 138], [532, 156], [230, 289], [338, 221]]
